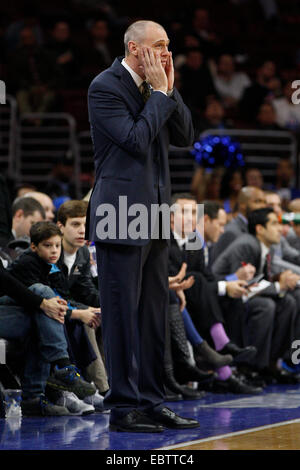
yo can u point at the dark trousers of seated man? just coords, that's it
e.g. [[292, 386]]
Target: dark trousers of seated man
[[269, 325], [47, 343]]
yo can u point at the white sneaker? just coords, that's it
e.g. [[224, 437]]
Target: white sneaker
[[75, 406], [96, 401]]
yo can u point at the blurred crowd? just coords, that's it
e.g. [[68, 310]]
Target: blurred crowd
[[228, 56]]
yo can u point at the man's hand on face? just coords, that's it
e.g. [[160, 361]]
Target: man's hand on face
[[170, 72], [154, 72]]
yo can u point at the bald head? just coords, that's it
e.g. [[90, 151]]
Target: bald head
[[137, 31], [45, 201], [250, 198], [294, 206]]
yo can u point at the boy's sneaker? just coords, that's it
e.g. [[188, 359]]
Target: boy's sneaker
[[40, 406], [96, 401], [75, 406], [68, 379]]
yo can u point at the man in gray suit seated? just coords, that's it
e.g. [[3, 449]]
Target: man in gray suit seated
[[249, 199], [271, 317]]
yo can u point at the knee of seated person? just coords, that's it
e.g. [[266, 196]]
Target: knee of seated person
[[42, 290], [290, 303]]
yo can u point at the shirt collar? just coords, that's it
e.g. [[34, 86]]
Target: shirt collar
[[180, 241], [136, 78], [264, 250]]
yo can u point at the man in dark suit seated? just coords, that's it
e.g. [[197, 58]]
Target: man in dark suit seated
[[249, 199], [135, 113], [203, 298], [270, 318]]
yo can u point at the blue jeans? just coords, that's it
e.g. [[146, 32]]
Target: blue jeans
[[47, 339]]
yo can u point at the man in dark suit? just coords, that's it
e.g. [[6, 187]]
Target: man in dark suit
[[132, 125], [249, 199], [208, 298], [270, 319]]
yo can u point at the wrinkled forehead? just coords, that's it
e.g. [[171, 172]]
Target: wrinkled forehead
[[154, 33]]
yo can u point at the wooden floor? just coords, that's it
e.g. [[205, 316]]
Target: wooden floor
[[276, 437]]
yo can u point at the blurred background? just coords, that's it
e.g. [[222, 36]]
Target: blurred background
[[235, 63]]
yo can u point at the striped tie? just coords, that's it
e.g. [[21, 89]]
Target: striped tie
[[146, 92]]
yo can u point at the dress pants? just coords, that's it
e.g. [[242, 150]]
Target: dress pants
[[269, 326], [133, 283]]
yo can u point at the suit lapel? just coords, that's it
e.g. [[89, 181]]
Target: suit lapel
[[126, 80]]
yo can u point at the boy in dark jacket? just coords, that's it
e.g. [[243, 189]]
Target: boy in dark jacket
[[22, 312]]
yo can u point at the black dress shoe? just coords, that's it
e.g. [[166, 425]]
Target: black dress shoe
[[279, 376], [173, 387], [191, 394], [207, 358], [240, 355], [235, 385], [169, 419], [135, 421], [187, 373], [172, 396]]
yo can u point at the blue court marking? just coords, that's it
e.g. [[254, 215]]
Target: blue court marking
[[217, 414]]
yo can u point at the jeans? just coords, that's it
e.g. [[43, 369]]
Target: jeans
[[47, 339]]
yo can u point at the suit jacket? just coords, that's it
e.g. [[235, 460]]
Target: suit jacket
[[131, 141], [195, 264], [233, 230], [244, 249]]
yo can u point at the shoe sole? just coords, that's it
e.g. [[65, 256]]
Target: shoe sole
[[180, 426], [116, 428], [81, 392]]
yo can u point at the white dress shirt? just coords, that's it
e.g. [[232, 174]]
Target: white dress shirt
[[138, 80]]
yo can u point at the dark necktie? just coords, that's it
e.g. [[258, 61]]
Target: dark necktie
[[267, 267], [146, 92]]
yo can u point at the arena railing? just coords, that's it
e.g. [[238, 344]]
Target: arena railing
[[8, 130], [42, 141]]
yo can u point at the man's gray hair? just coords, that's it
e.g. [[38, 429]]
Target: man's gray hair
[[136, 32]]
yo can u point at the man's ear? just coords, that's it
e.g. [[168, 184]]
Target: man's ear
[[259, 229], [19, 213], [133, 48], [60, 226], [33, 246]]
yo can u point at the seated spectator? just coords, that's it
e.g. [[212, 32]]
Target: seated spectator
[[39, 320], [249, 199], [285, 182], [229, 84], [66, 55], [282, 250], [75, 263], [98, 53], [231, 184], [25, 212], [293, 237], [259, 91], [266, 118], [214, 117], [287, 113], [201, 29], [23, 188], [270, 318], [203, 296], [254, 178], [45, 201], [6, 212], [193, 73], [32, 76]]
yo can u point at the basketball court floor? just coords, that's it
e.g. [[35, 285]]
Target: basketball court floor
[[270, 421]]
